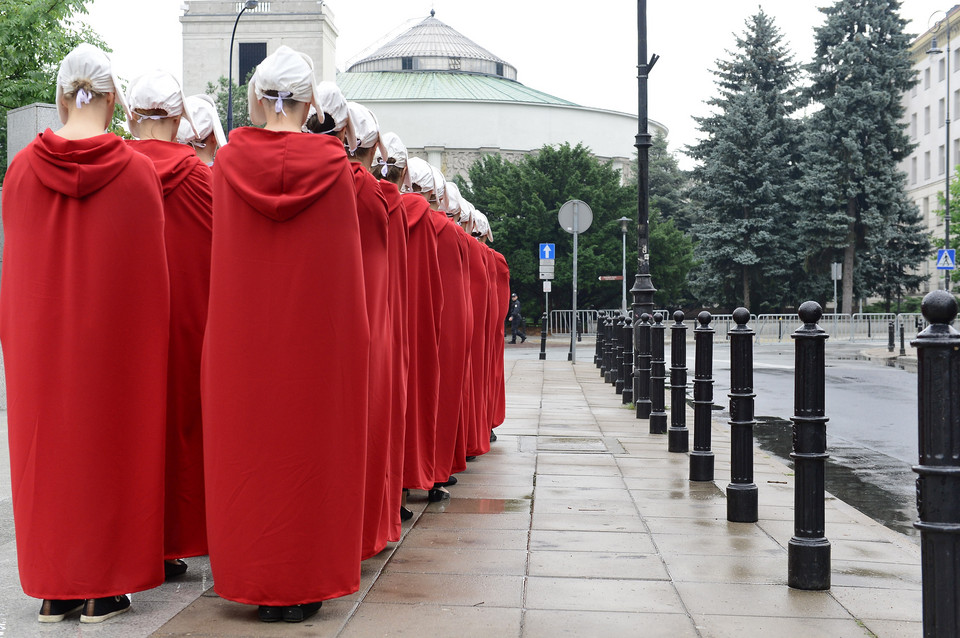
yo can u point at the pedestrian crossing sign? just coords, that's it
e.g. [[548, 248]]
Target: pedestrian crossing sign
[[947, 259]]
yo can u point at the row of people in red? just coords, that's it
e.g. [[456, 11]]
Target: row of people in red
[[178, 387]]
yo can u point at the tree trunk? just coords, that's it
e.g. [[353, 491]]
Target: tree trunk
[[848, 253], [746, 288]]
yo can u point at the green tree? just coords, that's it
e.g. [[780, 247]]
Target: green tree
[[744, 184], [667, 184], [852, 187], [220, 95], [522, 200], [35, 36]]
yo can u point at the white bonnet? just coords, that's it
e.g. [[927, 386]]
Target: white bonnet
[[453, 202], [440, 185], [482, 225], [205, 118], [156, 89], [365, 126], [466, 215], [330, 101], [290, 74], [421, 173], [87, 62]]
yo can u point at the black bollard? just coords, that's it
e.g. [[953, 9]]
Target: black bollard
[[903, 350], [642, 373], [628, 362], [808, 553], [579, 329], [621, 353], [890, 338], [610, 347], [938, 482], [701, 459], [742, 491], [658, 376], [599, 346], [543, 337], [678, 436], [617, 352], [603, 347]]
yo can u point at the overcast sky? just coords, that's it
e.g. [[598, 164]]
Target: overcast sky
[[585, 52]]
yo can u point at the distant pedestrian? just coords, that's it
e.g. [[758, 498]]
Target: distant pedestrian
[[516, 320]]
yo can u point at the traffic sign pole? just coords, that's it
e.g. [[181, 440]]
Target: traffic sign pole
[[573, 320]]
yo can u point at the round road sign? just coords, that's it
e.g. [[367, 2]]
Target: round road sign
[[584, 216]]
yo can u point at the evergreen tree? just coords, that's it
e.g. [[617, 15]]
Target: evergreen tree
[[892, 270], [667, 184], [853, 188], [745, 183]]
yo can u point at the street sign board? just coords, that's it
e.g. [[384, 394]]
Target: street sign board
[[584, 216], [548, 262], [836, 271], [547, 285], [947, 259], [546, 274], [610, 277], [548, 251]]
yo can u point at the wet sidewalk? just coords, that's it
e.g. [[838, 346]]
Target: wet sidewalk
[[578, 522]]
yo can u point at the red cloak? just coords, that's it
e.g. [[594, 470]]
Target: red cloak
[[451, 256], [188, 214], [467, 406], [479, 285], [84, 323], [424, 305], [372, 212], [284, 372], [399, 347], [503, 289]]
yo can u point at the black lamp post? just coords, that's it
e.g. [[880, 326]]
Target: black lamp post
[[249, 4], [934, 50], [643, 285]]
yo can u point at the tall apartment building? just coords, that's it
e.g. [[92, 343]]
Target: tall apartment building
[[926, 108]]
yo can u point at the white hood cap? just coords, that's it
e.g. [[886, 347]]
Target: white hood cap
[[365, 125], [421, 174], [156, 89], [290, 74], [440, 184], [393, 148], [452, 200], [482, 225], [330, 101], [90, 64], [205, 118], [466, 215]]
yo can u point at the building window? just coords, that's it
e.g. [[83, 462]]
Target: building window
[[926, 78], [955, 156], [926, 120], [454, 63], [500, 69], [941, 69], [941, 160], [251, 54], [926, 165], [926, 210], [406, 63], [913, 170], [941, 111], [913, 91], [956, 104], [913, 126]]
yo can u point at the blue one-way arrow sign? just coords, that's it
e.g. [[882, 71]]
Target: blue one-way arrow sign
[[947, 259], [548, 251]]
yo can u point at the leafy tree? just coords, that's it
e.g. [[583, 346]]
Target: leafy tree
[[522, 200], [36, 35], [241, 115], [852, 186], [744, 184], [671, 262]]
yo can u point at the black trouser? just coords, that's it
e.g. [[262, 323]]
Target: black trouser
[[518, 328]]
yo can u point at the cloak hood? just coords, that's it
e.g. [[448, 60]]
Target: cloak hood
[[280, 174], [416, 206], [77, 168], [173, 161]]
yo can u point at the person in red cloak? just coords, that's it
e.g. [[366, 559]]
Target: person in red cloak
[[156, 104], [372, 211], [391, 170], [499, 390], [285, 358], [203, 132], [451, 256], [477, 371], [84, 323], [425, 304]]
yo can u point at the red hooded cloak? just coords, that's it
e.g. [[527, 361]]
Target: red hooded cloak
[[188, 213], [503, 289], [425, 303], [284, 375], [479, 285], [84, 323]]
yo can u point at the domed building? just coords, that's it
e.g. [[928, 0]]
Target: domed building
[[451, 101]]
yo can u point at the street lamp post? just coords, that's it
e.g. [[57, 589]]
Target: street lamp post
[[624, 227], [643, 285], [249, 4], [934, 50]]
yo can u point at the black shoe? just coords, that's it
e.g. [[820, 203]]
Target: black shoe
[[437, 494], [523, 339], [471, 458], [100, 609], [57, 610], [270, 613], [299, 613], [493, 436], [450, 481], [173, 568], [405, 514], [514, 341]]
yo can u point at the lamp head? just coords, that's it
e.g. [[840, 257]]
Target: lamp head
[[251, 4], [624, 224], [934, 49]]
